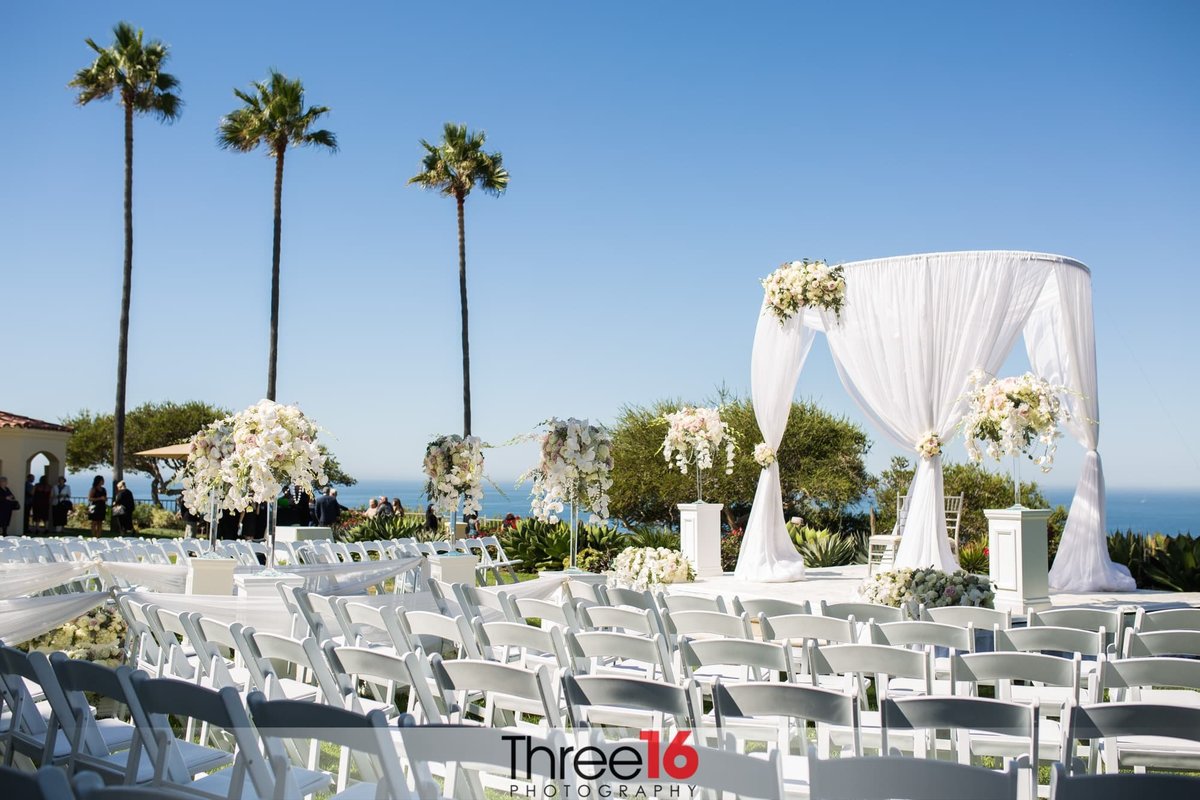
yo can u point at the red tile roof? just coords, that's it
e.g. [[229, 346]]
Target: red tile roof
[[8, 420]]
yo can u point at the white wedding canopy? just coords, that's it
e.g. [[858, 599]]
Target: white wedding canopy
[[912, 330]]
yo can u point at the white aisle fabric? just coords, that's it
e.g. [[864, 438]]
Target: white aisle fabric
[[156, 577], [23, 618], [267, 614], [1060, 340], [339, 579], [911, 331], [17, 579], [768, 554]]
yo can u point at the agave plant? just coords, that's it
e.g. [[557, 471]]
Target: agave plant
[[393, 527], [653, 536], [539, 545], [603, 539], [822, 548], [973, 558], [1173, 562]]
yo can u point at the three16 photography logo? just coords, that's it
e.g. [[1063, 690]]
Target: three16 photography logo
[[642, 769]]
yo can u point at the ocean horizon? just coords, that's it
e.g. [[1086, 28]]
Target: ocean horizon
[[1168, 511]]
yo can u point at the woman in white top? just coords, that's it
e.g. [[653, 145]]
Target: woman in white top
[[60, 504]]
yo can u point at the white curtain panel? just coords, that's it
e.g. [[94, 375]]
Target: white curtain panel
[[23, 618], [768, 554], [912, 330], [18, 579], [1060, 340]]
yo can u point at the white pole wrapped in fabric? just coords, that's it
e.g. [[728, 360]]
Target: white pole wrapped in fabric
[[912, 330], [23, 618], [767, 553], [1061, 342]]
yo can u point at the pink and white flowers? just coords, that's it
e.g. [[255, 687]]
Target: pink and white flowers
[[1012, 416], [929, 445], [575, 467], [454, 470], [800, 284], [252, 457], [694, 435]]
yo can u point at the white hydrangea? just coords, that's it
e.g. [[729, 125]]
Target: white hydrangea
[[642, 567], [575, 466], [454, 469], [932, 587]]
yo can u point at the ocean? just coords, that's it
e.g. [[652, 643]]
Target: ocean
[[1140, 510]]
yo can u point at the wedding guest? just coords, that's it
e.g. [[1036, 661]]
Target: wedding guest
[[328, 509], [373, 508], [29, 484], [190, 527], [432, 523], [303, 506], [398, 508], [60, 504], [8, 504], [97, 504], [123, 510], [42, 492], [510, 521], [385, 507]]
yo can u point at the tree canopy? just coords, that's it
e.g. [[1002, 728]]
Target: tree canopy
[[821, 466], [130, 68], [273, 114], [458, 163]]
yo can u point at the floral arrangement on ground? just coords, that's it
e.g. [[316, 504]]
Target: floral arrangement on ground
[[1011, 415], [643, 567], [800, 284], [97, 636], [453, 469], [930, 587]]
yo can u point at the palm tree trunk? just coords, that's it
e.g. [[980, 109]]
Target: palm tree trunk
[[126, 289], [273, 356], [462, 297]]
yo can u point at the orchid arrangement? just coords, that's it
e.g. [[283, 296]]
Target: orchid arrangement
[[575, 466], [800, 284], [764, 454], [454, 470], [694, 435], [1012, 416], [252, 457], [642, 567], [930, 587]]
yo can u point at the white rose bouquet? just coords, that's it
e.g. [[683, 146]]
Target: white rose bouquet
[[1012, 415], [642, 567], [764, 454], [930, 587], [454, 469], [575, 466], [800, 284]]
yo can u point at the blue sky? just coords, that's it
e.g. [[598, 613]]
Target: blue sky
[[663, 156]]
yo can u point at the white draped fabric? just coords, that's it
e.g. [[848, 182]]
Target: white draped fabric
[[912, 330], [267, 614], [23, 618], [339, 579], [768, 553], [1060, 341], [18, 579]]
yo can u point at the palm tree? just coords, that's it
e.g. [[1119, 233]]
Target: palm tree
[[274, 115], [132, 69], [453, 167]]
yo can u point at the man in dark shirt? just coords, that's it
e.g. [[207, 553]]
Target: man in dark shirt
[[328, 509]]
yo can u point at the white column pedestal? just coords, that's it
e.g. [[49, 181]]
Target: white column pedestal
[[1017, 557], [700, 537], [296, 533], [453, 568], [264, 585], [210, 576]]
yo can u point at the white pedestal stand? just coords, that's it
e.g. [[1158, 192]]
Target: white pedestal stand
[[700, 537], [295, 533], [210, 576], [1017, 558], [264, 585], [453, 568]]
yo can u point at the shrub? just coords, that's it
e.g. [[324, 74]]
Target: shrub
[[822, 548], [931, 587], [655, 536], [591, 560], [731, 548], [973, 558], [1173, 562]]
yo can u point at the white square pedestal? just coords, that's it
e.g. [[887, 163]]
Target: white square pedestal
[[264, 585], [295, 533], [210, 576], [1017, 557], [700, 537], [453, 568]]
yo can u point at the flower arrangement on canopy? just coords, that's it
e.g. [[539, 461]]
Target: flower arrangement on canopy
[[454, 471], [1012, 416], [694, 437], [804, 284], [251, 458], [575, 466], [642, 567], [765, 455]]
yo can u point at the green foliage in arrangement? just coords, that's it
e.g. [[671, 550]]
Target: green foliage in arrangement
[[981, 488], [591, 560], [820, 462], [822, 548]]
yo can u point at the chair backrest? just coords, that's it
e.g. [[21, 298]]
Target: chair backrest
[[1121, 786], [620, 596], [633, 620], [267, 652], [523, 644], [583, 693], [880, 661], [368, 624], [772, 607], [508, 690], [762, 661], [612, 650], [954, 511], [453, 631], [708, 623], [362, 734], [1047, 639], [584, 590], [1168, 619], [800, 628], [926, 634], [799, 702], [902, 778], [476, 601], [1125, 678], [862, 611], [384, 672], [1111, 720], [48, 783], [1109, 620], [691, 602], [1162, 643], [984, 619], [562, 614], [1005, 667]]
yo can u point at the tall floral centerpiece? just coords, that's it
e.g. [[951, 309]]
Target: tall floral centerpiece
[[575, 467], [694, 438], [454, 474], [1014, 416], [797, 285], [250, 458]]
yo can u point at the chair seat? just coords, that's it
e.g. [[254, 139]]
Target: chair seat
[[359, 791], [1157, 751], [309, 781], [197, 758], [998, 744]]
